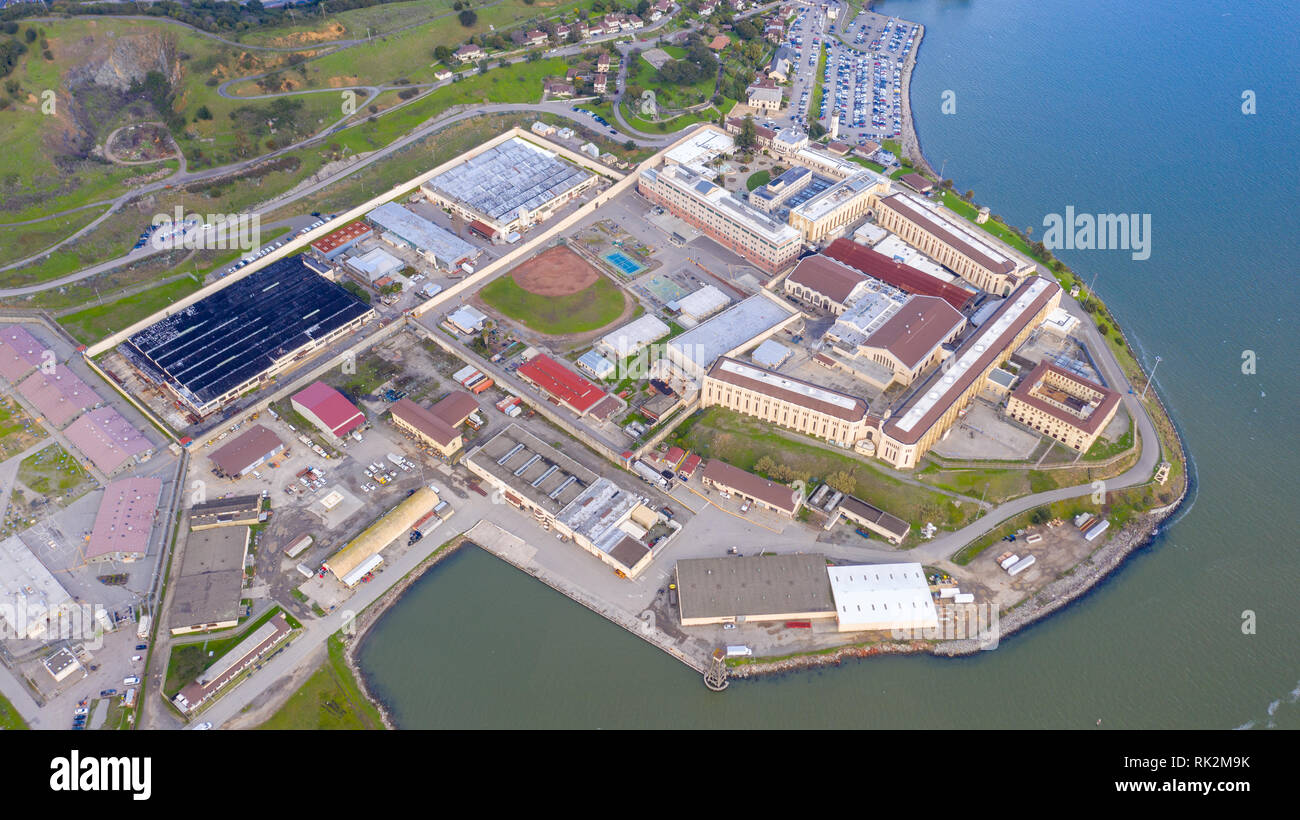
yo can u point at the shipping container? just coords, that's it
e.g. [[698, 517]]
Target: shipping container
[[464, 373], [142, 630], [1097, 530], [949, 592], [481, 385], [738, 651], [296, 548], [964, 598], [1021, 565], [1008, 562]]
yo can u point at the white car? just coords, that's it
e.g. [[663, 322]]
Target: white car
[[203, 726]]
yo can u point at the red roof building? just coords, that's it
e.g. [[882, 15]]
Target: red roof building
[[19, 352], [332, 244], [124, 520], [326, 408], [564, 387], [881, 267], [688, 466]]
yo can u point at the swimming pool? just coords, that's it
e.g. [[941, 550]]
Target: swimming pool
[[623, 262]]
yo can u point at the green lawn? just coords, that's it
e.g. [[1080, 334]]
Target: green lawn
[[94, 323], [998, 229], [741, 441], [589, 309], [866, 163], [51, 472], [9, 717], [330, 699], [815, 99], [21, 241], [757, 179], [18, 431]]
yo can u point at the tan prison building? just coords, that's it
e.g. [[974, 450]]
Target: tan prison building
[[935, 404], [826, 214], [767, 243], [941, 236], [790, 403], [1062, 405]]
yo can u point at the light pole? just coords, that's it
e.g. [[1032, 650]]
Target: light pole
[[1150, 377]]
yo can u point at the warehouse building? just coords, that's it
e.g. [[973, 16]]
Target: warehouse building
[[699, 305], [362, 555], [235, 511], [247, 451], [108, 440], [786, 402], [632, 337], [33, 603], [20, 353], [124, 521], [402, 228], [879, 597], [245, 334], [738, 328], [601, 516], [436, 427], [1062, 405], [896, 274], [60, 395], [328, 409], [753, 589], [509, 187], [934, 405], [765, 242], [375, 264], [561, 386], [335, 244], [207, 594], [769, 495], [943, 236]]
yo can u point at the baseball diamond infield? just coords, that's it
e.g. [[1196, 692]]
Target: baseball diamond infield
[[556, 292]]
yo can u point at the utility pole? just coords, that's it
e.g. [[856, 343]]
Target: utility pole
[[1150, 377]]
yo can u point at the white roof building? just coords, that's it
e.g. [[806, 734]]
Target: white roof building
[[700, 305], [30, 596], [596, 364], [869, 234], [633, 336], [734, 329], [1061, 322], [882, 596], [467, 319], [705, 146], [770, 354], [895, 248], [376, 264]]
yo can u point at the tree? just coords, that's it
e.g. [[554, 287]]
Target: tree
[[533, 56], [970, 196], [1102, 328], [764, 465], [629, 145], [203, 113], [842, 481], [816, 131], [442, 53], [467, 18], [748, 136]]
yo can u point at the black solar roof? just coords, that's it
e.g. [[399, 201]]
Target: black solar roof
[[226, 339]]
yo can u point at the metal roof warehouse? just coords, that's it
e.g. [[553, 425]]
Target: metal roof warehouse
[[223, 345]]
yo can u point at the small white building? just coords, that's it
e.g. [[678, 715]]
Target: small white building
[[596, 364], [590, 150], [632, 337], [376, 264], [467, 319], [1060, 322]]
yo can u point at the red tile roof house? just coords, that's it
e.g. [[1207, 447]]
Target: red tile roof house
[[326, 408]]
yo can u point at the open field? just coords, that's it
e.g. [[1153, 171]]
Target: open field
[[742, 441], [52, 472], [95, 323], [17, 429], [556, 292], [330, 699], [21, 241]]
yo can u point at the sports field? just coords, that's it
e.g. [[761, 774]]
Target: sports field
[[556, 292]]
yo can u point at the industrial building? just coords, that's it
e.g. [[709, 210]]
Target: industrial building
[[829, 212], [108, 440], [243, 655], [784, 401], [632, 337], [560, 385], [766, 243], [124, 521], [403, 228], [235, 511], [890, 527], [769, 495], [375, 264], [436, 427], [735, 329], [247, 451], [58, 394], [509, 187], [943, 237], [335, 244], [934, 405], [600, 516], [206, 596], [328, 409], [20, 353], [896, 274], [596, 364], [1063, 405], [244, 335], [878, 597], [33, 603], [362, 554], [753, 589]]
